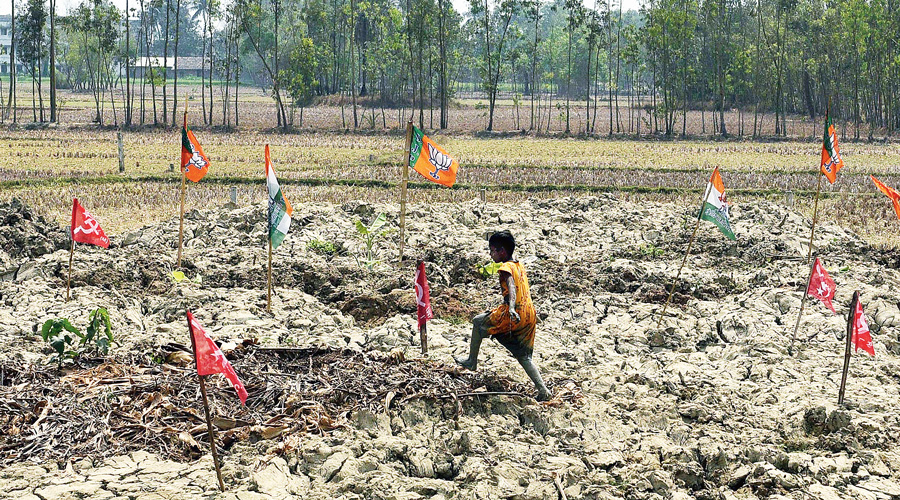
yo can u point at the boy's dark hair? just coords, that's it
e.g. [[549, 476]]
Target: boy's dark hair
[[503, 239]]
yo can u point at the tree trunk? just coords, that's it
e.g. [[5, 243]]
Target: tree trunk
[[11, 102], [175, 75], [53, 117], [128, 101], [165, 68], [443, 65]]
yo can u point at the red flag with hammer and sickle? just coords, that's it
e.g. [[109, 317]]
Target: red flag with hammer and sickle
[[86, 229], [821, 286], [423, 295], [210, 358], [861, 339]]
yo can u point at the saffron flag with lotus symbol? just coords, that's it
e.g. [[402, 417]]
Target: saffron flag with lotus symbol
[[194, 162], [715, 205], [831, 154], [430, 161]]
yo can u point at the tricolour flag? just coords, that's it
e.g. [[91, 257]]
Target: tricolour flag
[[194, 162], [861, 338], [715, 206], [210, 358], [831, 154], [429, 160], [821, 286], [893, 195], [423, 295], [86, 229], [280, 209]]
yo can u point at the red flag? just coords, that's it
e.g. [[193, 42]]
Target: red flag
[[86, 229], [893, 195], [821, 286], [423, 296], [210, 358], [861, 338]]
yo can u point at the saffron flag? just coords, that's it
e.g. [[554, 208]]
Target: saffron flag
[[210, 358], [429, 160], [861, 339], [831, 154], [821, 286], [893, 195], [280, 209], [194, 163], [715, 206], [423, 296], [86, 229]]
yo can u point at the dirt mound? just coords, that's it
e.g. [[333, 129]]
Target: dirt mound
[[707, 405], [24, 234]]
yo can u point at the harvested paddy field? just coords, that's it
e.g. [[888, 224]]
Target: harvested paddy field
[[47, 168], [708, 406]]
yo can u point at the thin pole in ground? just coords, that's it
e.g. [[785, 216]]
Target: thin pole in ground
[[686, 253], [209, 427], [404, 180]]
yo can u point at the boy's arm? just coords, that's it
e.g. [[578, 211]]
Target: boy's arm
[[511, 286]]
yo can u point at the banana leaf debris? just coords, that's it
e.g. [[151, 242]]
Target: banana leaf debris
[[119, 406]]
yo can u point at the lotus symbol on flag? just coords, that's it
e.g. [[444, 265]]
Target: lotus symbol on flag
[[439, 160], [197, 161]]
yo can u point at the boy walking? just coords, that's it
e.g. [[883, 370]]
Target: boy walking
[[511, 326]]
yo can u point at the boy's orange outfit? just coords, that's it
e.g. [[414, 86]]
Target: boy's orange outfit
[[518, 337]]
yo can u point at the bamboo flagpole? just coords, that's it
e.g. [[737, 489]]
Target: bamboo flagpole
[[850, 318], [209, 427], [686, 253], [812, 231], [269, 279], [404, 181], [809, 252], [802, 306], [183, 182]]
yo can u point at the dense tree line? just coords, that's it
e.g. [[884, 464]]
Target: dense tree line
[[383, 61]]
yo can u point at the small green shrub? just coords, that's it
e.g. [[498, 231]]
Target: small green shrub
[[370, 235], [321, 247], [62, 336]]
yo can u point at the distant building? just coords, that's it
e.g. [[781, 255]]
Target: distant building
[[6, 44], [187, 66]]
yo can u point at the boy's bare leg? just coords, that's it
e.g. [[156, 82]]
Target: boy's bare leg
[[535, 375], [479, 331]]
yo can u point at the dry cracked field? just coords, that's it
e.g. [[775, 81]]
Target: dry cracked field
[[709, 406]]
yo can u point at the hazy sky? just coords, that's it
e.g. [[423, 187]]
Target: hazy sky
[[461, 5]]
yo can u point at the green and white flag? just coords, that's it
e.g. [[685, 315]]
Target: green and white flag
[[715, 206], [279, 208]]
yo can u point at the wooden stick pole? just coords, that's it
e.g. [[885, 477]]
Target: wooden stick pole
[[269, 280], [404, 180], [847, 348], [815, 216], [423, 338], [209, 427], [802, 306], [69, 281], [181, 221], [686, 253], [183, 181]]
